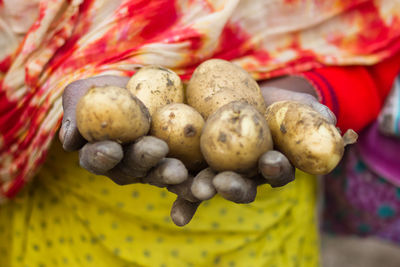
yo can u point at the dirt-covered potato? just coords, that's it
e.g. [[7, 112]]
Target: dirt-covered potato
[[308, 140], [156, 87], [217, 82], [234, 138], [111, 113], [180, 126]]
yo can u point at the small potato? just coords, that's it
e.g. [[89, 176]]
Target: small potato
[[234, 137], [156, 87], [217, 82], [308, 140], [180, 126], [111, 113]]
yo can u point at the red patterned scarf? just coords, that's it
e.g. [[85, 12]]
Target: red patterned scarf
[[46, 44]]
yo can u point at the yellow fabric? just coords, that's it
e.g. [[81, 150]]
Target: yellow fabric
[[69, 217]]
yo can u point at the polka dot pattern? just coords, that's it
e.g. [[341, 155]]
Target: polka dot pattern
[[68, 217]]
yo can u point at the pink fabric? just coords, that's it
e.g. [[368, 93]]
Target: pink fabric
[[359, 197], [381, 154]]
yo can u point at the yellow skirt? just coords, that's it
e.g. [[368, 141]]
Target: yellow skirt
[[69, 217]]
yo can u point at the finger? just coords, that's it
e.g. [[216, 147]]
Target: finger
[[182, 211], [69, 134], [324, 111], [234, 187], [143, 155], [315, 104], [202, 186], [120, 177], [138, 159], [104, 158], [276, 168], [183, 190], [169, 171], [100, 157], [274, 94]]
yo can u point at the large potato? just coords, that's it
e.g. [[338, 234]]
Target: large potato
[[111, 113], [217, 82], [309, 141], [156, 87], [180, 126], [234, 138]]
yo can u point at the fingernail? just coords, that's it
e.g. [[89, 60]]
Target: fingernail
[[271, 170], [104, 162], [108, 154], [64, 130], [329, 115]]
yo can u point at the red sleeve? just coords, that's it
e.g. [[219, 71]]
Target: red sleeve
[[355, 93]]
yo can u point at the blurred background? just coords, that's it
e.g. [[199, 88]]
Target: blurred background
[[340, 251]]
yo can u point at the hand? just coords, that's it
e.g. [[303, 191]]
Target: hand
[[274, 168], [140, 162], [145, 162], [294, 88]]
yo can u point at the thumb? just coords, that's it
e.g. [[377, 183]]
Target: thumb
[[69, 134]]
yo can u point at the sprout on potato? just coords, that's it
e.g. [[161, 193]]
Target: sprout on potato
[[308, 140]]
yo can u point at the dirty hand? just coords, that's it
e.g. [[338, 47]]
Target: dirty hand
[[273, 168], [143, 161]]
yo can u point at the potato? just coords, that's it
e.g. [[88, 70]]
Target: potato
[[156, 87], [308, 140], [217, 82], [180, 126], [234, 138], [111, 113]]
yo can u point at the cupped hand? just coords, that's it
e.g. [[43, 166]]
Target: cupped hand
[[143, 161], [273, 167]]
